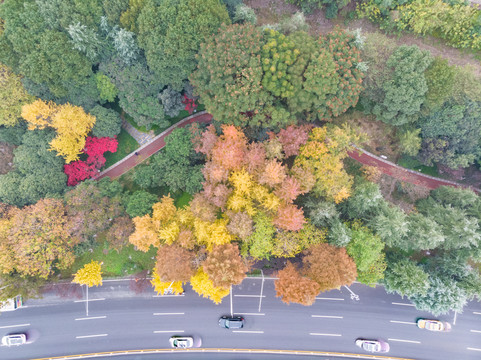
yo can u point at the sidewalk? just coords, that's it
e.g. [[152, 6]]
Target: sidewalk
[[149, 148], [140, 137]]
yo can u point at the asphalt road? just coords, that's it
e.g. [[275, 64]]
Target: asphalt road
[[119, 319]]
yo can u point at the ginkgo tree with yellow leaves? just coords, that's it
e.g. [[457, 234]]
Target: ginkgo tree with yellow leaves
[[71, 123], [247, 207], [90, 274]]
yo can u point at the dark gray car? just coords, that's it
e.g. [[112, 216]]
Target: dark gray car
[[231, 322]]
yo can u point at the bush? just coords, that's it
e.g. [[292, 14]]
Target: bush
[[139, 203], [296, 22], [244, 14], [172, 101], [107, 89], [108, 123]]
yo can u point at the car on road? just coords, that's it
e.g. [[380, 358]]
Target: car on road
[[14, 339], [373, 345], [183, 342], [433, 325], [231, 322]]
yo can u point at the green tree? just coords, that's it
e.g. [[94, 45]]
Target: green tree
[[139, 203], [366, 249], [38, 171], [410, 141], [440, 78], [107, 89], [108, 122], [364, 202], [444, 295], [261, 242], [391, 224], [423, 234], [170, 48], [405, 92], [176, 166], [138, 90], [12, 97], [406, 278]]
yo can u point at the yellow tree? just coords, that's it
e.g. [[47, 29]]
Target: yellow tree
[[90, 275], [145, 234], [162, 287], [204, 286], [71, 123]]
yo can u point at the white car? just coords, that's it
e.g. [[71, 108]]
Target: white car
[[14, 340], [433, 325], [373, 345], [183, 342]]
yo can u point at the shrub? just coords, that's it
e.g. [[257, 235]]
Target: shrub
[[108, 123], [172, 101], [244, 14]]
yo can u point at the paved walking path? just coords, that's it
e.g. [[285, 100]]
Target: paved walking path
[[149, 148], [364, 157], [141, 137]]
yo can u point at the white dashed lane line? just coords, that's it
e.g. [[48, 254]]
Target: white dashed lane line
[[254, 296], [91, 318], [473, 349], [402, 322], [475, 331], [160, 314], [167, 331], [402, 304], [11, 326], [320, 334], [327, 316], [407, 341], [248, 331], [90, 336], [334, 299], [250, 314], [476, 313]]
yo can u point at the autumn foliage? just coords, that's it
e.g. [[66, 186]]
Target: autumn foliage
[[71, 123], [90, 274], [293, 287]]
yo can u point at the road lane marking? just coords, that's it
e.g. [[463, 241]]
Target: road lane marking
[[402, 304], [161, 296], [327, 316], [408, 341], [322, 298], [476, 313], [475, 331], [248, 331], [319, 334], [89, 300], [262, 291], [402, 322], [89, 336], [474, 349], [250, 314], [168, 331], [262, 296], [92, 318], [11, 326], [169, 313]]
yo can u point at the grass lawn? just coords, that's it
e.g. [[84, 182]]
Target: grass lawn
[[127, 261], [127, 144], [409, 162]]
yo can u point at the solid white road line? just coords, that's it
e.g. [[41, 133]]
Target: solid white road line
[[89, 336], [475, 331], [319, 334], [169, 313], [92, 318], [250, 295], [408, 341], [474, 349], [161, 296], [248, 331], [168, 331], [11, 326], [322, 298], [402, 304], [327, 316], [89, 300], [402, 322], [250, 314]]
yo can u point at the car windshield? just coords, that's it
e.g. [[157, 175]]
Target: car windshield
[[180, 343], [371, 346], [431, 325]]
